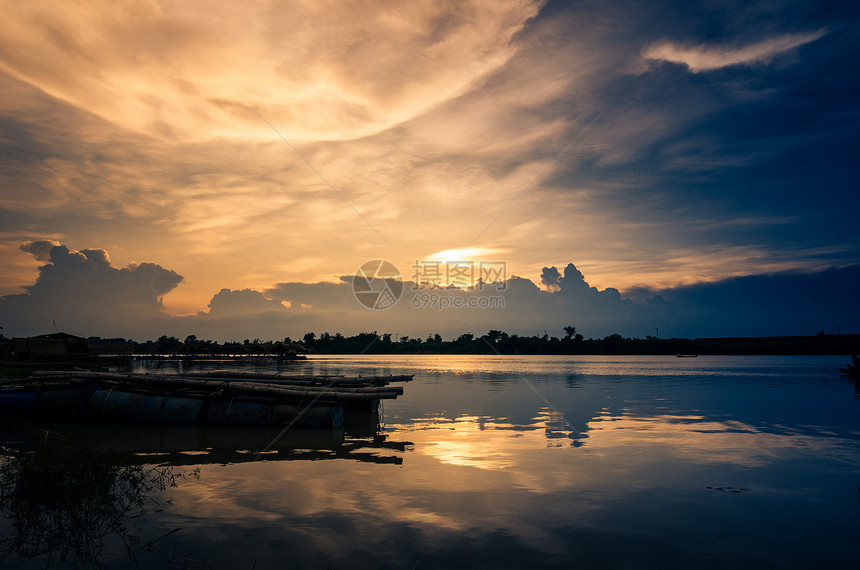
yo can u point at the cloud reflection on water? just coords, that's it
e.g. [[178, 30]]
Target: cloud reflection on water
[[485, 442], [633, 478], [624, 472]]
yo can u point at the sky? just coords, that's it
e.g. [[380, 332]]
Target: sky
[[224, 169]]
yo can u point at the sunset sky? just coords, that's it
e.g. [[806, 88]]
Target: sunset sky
[[216, 168]]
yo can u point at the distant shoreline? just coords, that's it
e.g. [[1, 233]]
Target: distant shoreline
[[495, 342], [837, 345]]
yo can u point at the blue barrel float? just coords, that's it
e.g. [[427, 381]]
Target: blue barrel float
[[50, 403], [228, 398], [118, 405]]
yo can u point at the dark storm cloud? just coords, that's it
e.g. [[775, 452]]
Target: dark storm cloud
[[780, 304], [517, 305], [84, 293], [227, 302], [787, 303], [331, 296], [550, 278], [765, 132]]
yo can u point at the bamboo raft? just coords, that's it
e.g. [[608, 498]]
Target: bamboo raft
[[217, 398]]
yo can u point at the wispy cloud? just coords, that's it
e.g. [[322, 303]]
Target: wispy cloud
[[132, 126], [193, 71], [704, 57]]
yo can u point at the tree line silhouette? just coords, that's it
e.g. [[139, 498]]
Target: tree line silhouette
[[493, 342], [500, 342]]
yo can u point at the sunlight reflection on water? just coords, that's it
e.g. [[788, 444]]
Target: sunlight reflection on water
[[611, 462]]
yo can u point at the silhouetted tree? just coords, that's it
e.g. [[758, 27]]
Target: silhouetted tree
[[168, 344]]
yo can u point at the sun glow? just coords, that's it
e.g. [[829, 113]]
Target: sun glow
[[487, 443], [463, 254]]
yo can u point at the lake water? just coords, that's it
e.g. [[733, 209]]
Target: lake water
[[519, 462]]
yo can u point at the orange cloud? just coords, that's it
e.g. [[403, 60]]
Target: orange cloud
[[317, 70]]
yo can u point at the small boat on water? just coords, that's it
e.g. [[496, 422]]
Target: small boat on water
[[215, 398], [686, 355], [852, 369]]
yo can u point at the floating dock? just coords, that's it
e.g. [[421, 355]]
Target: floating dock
[[215, 398]]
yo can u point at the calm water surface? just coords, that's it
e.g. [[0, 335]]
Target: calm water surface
[[543, 462]]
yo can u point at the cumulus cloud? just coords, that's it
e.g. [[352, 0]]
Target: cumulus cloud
[[84, 293], [708, 57], [516, 305], [228, 302], [87, 295], [779, 304], [551, 278], [41, 249]]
